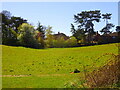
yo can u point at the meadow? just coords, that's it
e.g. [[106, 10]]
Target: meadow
[[50, 68]]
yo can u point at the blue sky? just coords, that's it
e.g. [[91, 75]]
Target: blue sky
[[59, 15]]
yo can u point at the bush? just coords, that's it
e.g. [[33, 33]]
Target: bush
[[61, 42], [105, 76], [72, 41]]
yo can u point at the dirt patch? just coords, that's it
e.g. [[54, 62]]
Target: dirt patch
[[40, 75], [14, 75]]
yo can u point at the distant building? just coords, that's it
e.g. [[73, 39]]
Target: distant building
[[59, 35]]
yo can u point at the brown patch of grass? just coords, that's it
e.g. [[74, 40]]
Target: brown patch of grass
[[107, 75]]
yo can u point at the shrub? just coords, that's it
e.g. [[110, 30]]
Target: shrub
[[72, 41], [60, 42], [108, 75]]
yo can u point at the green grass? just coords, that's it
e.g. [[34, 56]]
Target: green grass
[[50, 68]]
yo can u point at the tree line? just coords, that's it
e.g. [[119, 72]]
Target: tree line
[[16, 31], [85, 32]]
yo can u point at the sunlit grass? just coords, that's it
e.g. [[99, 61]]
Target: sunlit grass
[[54, 64]]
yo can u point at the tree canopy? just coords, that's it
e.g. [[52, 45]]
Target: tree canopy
[[85, 22]]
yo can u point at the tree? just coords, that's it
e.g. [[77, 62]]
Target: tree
[[9, 36], [6, 13], [106, 17], [79, 34], [85, 22], [108, 26], [41, 29], [39, 38], [5, 20], [40, 34], [26, 36], [73, 29], [15, 22], [0, 29], [59, 42], [72, 41], [49, 37], [118, 30], [106, 29], [10, 26]]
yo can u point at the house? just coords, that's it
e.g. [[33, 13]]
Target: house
[[59, 35]]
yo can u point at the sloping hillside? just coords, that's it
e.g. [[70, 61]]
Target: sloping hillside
[[51, 67]]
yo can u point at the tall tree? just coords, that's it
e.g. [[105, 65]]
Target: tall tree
[[79, 34], [118, 30], [106, 17], [0, 28], [10, 26], [106, 29], [73, 29], [15, 22], [41, 29], [108, 26], [85, 21], [49, 37], [9, 37]]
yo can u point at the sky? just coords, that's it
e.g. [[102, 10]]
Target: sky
[[60, 15]]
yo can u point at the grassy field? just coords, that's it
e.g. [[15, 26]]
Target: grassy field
[[50, 68]]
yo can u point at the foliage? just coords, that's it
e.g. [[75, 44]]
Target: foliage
[[6, 33], [9, 28], [118, 28], [85, 22], [59, 42], [106, 75], [41, 29], [15, 22], [71, 42], [106, 17], [62, 43], [39, 37], [79, 34], [73, 29], [26, 36], [106, 29], [49, 37], [43, 36]]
